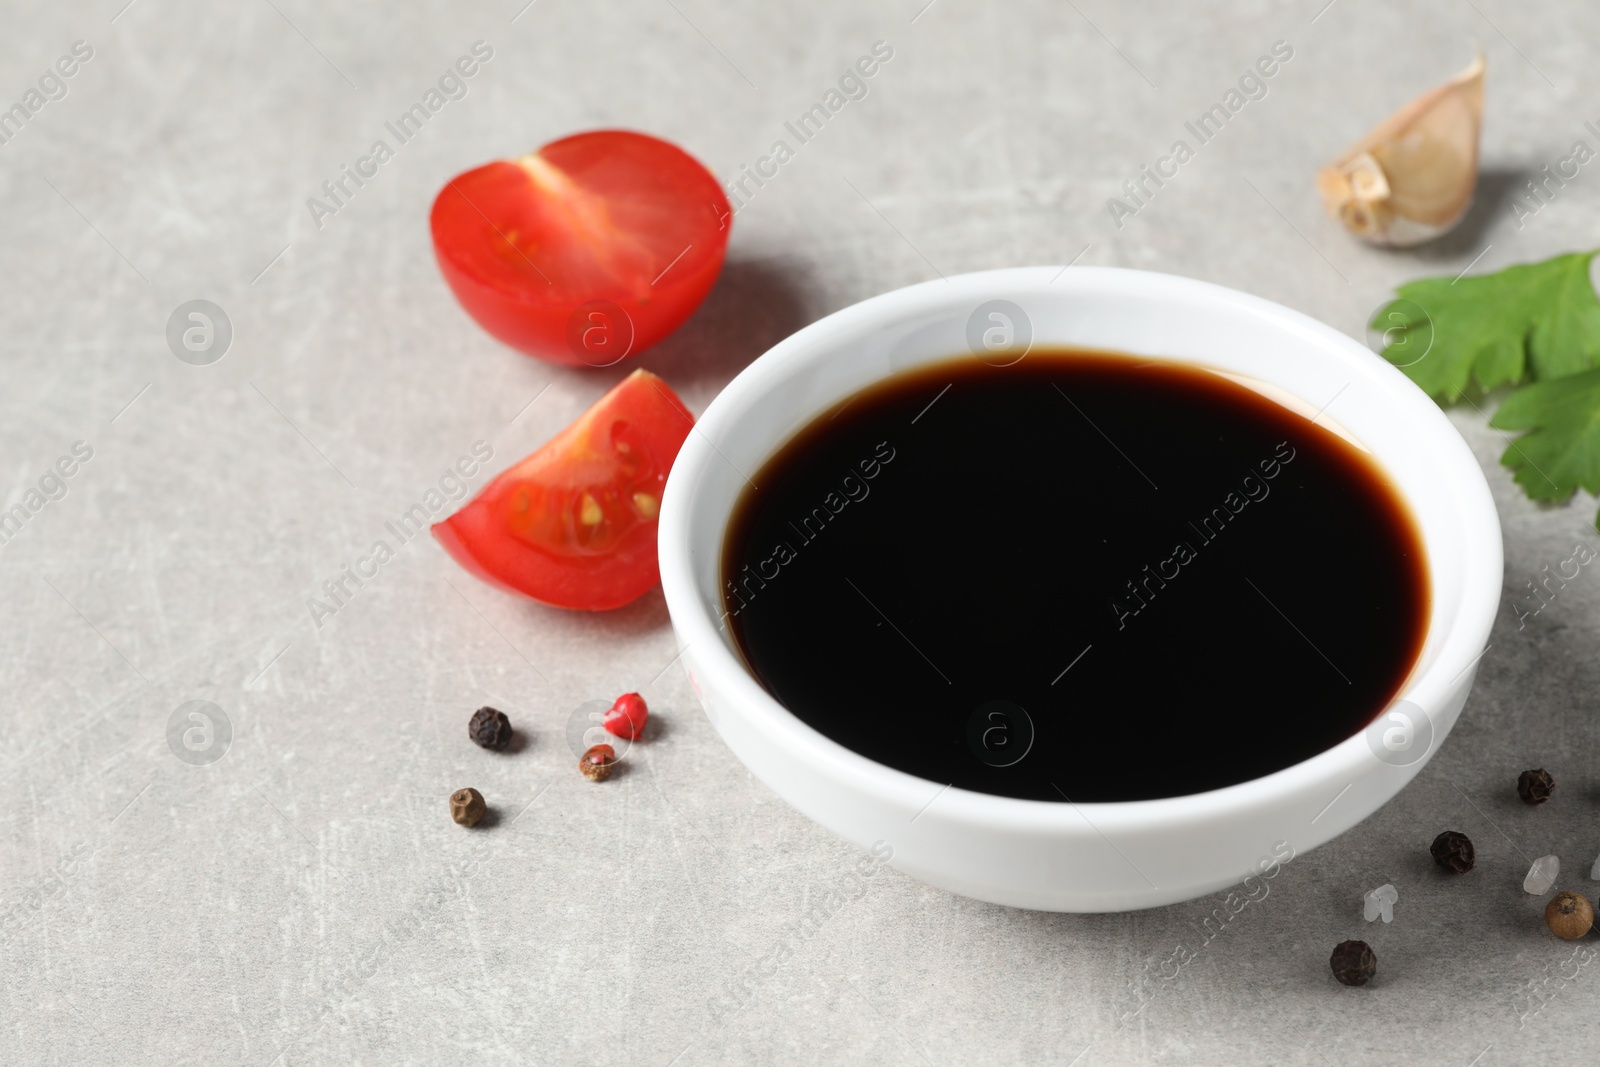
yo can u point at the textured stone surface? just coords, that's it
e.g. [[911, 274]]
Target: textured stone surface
[[304, 898]]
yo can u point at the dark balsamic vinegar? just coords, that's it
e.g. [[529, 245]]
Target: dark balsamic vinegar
[[1082, 576]]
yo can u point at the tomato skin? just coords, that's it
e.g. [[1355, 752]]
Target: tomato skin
[[602, 217], [574, 524]]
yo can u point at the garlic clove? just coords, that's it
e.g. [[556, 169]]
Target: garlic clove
[[1411, 178]]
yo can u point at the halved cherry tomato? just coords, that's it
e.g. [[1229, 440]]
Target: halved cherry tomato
[[574, 524], [589, 250]]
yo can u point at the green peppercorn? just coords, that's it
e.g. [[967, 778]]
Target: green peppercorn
[[1569, 916], [467, 806]]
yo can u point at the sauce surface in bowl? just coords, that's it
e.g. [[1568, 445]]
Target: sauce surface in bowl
[[1081, 576]]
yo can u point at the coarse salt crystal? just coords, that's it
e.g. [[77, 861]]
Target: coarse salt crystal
[[1380, 902], [1542, 875]]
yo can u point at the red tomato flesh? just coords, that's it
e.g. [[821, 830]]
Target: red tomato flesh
[[587, 251], [574, 524]]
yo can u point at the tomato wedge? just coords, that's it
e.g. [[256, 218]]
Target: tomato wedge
[[587, 251], [574, 524]]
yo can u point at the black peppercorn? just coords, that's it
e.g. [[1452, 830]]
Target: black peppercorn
[[489, 728], [1353, 963], [1535, 787], [1453, 849]]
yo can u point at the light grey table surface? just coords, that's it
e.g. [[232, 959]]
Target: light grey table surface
[[305, 899]]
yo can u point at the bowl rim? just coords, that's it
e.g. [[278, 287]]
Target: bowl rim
[[1462, 643]]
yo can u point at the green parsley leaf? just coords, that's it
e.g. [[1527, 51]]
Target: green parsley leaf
[[1561, 452], [1538, 319]]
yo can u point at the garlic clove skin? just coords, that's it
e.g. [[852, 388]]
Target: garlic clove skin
[[1411, 178]]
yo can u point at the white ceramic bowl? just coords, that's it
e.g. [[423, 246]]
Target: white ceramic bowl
[[1086, 857]]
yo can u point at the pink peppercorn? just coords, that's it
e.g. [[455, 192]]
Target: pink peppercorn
[[627, 716]]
